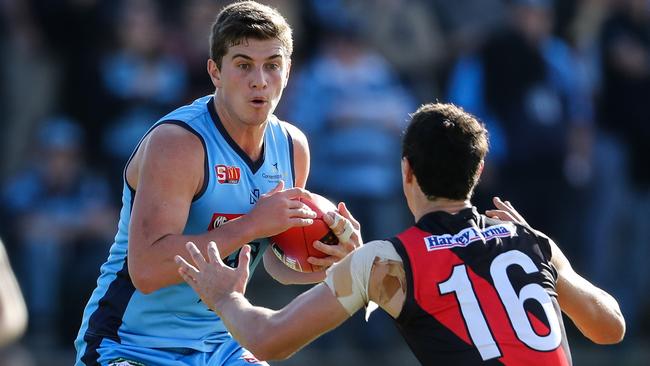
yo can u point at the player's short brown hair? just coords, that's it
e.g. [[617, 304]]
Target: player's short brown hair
[[445, 147], [242, 20]]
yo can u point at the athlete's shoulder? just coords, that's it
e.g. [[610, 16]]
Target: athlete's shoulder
[[189, 112], [294, 132]]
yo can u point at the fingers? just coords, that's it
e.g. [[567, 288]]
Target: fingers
[[186, 270], [331, 250], [278, 187], [503, 205], [335, 222], [213, 253], [297, 192], [341, 227], [244, 259], [303, 211], [298, 221], [500, 214], [196, 255], [322, 263], [343, 209], [347, 232]]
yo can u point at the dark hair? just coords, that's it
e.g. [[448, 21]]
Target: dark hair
[[445, 147], [247, 19]]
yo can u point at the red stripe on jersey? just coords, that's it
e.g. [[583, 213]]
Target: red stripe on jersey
[[432, 268], [538, 326]]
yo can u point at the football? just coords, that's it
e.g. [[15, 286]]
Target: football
[[295, 245]]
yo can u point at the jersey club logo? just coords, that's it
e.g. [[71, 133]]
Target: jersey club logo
[[227, 174], [219, 219]]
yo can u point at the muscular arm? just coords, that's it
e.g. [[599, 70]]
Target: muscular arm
[[595, 312], [166, 173], [278, 334]]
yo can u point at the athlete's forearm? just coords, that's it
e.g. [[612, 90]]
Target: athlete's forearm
[[251, 326], [276, 335], [595, 312], [154, 268]]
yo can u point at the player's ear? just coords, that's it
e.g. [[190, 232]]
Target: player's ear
[[407, 171], [479, 171], [214, 72]]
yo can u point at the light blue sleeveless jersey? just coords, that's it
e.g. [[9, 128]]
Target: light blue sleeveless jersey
[[174, 317]]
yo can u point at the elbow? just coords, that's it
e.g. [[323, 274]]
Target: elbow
[[270, 351], [143, 283], [12, 328], [267, 344], [142, 279], [614, 333]]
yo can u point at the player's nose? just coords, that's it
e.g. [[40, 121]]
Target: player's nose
[[258, 79]]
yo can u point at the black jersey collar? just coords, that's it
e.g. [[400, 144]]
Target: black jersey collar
[[254, 166]]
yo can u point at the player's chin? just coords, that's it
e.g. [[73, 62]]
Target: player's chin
[[257, 116]]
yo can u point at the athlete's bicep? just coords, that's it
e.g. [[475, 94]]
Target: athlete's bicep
[[169, 174], [301, 155]]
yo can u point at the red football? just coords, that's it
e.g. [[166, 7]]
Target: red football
[[296, 244]]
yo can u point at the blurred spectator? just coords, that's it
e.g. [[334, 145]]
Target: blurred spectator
[[29, 77], [621, 235], [523, 84], [189, 43], [466, 23], [60, 218], [141, 78], [407, 34]]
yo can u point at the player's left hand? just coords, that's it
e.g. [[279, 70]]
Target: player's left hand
[[212, 279], [506, 212], [347, 229]]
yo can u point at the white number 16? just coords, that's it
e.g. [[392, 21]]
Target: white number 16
[[477, 326]]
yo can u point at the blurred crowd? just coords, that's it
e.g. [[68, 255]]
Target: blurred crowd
[[563, 87]]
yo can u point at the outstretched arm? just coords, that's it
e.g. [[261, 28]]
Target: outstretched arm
[[268, 334]]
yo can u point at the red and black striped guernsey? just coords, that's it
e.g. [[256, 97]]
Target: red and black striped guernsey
[[480, 292]]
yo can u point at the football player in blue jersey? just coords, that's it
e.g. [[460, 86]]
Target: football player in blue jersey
[[222, 169]]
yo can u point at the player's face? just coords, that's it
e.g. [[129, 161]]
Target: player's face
[[251, 80]]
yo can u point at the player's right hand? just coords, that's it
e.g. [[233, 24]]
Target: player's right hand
[[280, 209]]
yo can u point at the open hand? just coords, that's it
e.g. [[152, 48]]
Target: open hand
[[212, 279], [506, 212]]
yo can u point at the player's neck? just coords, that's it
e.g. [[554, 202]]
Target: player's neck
[[249, 138], [426, 206]]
